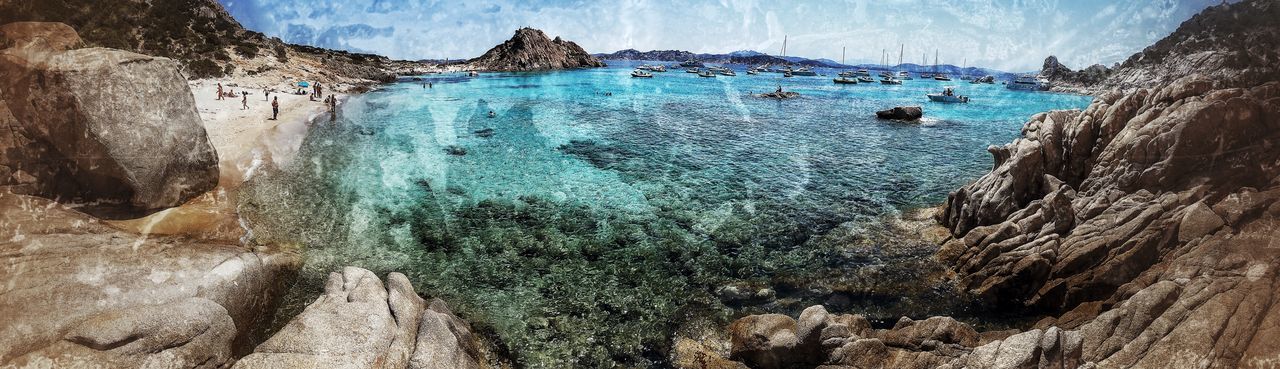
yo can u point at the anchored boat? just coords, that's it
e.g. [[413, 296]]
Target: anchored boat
[[641, 74]]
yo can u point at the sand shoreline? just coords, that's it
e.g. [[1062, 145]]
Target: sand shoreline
[[245, 140]]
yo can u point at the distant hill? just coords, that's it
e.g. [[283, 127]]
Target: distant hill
[[198, 33], [750, 57], [530, 49]]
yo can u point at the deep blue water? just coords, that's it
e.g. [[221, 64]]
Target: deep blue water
[[596, 214]]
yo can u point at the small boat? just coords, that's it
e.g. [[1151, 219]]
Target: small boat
[[948, 95], [890, 81], [641, 74], [903, 75], [752, 72], [643, 67], [865, 79], [691, 64], [1028, 83], [846, 81], [658, 68], [787, 74], [863, 73], [692, 70], [941, 77], [706, 74], [473, 74], [926, 75], [727, 72], [847, 74]]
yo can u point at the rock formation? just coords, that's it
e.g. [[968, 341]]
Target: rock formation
[[1062, 78], [1234, 45], [97, 124], [359, 323], [901, 113], [531, 50], [75, 292]]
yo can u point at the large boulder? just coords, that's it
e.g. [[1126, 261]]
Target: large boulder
[[360, 323], [98, 125], [39, 35], [901, 113], [530, 49], [79, 293]]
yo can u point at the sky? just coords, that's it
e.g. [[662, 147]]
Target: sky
[[1010, 35]]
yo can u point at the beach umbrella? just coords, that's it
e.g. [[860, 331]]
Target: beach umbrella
[[304, 84]]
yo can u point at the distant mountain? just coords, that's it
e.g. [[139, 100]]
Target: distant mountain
[[749, 57], [530, 49]]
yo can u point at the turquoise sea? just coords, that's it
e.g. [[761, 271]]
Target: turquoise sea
[[597, 216]]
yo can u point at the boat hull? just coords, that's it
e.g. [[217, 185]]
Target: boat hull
[[948, 99]]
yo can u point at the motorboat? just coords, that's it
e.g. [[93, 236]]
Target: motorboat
[[863, 73], [752, 72], [641, 74], [847, 74], [804, 71], [691, 64], [706, 74], [473, 74], [866, 79], [948, 95], [903, 75], [941, 77], [787, 74], [692, 70], [1028, 83], [926, 75], [890, 81], [727, 72], [658, 68], [846, 81]]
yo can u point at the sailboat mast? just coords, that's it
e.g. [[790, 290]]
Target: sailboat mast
[[901, 48], [842, 54], [935, 60]]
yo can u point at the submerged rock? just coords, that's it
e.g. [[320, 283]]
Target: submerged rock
[[360, 323], [98, 124], [901, 113], [780, 95], [485, 133], [455, 150]]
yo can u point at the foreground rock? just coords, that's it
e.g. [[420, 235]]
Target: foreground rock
[[531, 50], [97, 125], [1144, 222], [901, 113], [359, 323], [75, 292]]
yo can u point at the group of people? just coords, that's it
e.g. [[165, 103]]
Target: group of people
[[331, 101]]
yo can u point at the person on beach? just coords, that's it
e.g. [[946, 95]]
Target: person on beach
[[275, 108], [244, 102], [266, 95], [219, 91]]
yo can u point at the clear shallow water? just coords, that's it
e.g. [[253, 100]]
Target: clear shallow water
[[583, 229]]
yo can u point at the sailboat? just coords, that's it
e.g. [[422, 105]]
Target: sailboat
[[924, 59], [938, 76], [846, 77], [886, 77], [902, 75], [963, 74]]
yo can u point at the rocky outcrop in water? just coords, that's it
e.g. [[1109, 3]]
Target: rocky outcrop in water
[[1062, 78], [97, 124], [531, 50], [901, 113], [78, 293], [360, 323]]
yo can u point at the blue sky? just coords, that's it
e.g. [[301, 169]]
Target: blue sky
[[1013, 35]]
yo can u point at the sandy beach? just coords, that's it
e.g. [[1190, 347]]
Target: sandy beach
[[245, 140]]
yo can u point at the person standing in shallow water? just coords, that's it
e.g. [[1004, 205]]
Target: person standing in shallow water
[[244, 101], [219, 91], [275, 108]]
